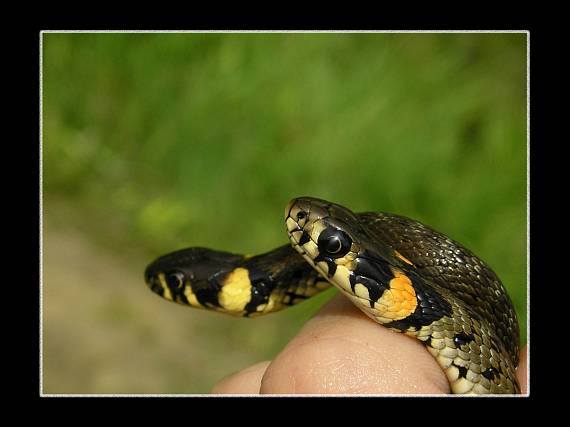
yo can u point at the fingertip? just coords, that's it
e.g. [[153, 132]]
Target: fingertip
[[341, 351], [247, 381]]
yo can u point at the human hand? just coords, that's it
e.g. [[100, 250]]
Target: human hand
[[341, 351]]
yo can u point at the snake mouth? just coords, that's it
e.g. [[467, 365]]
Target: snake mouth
[[297, 235]]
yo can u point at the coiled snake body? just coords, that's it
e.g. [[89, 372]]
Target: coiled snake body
[[399, 272]]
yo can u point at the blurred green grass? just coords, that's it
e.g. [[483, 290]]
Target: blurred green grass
[[153, 142]]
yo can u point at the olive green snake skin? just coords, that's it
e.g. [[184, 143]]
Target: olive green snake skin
[[398, 271]]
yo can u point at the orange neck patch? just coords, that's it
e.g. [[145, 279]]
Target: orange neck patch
[[399, 301]]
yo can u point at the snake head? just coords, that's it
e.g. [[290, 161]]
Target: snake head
[[323, 232], [189, 276], [332, 239]]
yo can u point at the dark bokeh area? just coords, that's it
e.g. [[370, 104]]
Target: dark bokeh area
[[154, 142]]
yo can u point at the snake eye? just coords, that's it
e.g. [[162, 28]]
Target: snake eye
[[333, 241], [175, 280], [333, 245], [301, 215]]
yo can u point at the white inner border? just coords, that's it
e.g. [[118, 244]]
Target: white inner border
[[42, 394]]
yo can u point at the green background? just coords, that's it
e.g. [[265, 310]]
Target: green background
[[154, 142]]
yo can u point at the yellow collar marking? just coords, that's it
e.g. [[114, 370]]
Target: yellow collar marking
[[399, 301], [236, 291]]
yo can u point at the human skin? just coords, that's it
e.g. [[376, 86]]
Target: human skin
[[341, 351]]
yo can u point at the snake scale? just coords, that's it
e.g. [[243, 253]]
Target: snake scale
[[398, 271]]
